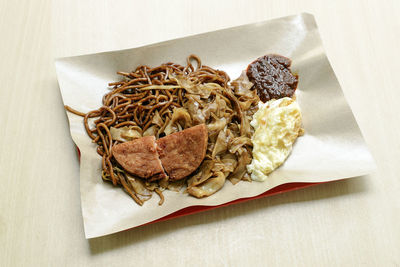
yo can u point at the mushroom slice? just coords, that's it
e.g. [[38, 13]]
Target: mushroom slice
[[209, 187]]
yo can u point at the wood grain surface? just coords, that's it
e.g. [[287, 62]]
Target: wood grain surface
[[345, 223]]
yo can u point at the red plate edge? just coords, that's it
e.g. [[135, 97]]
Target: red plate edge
[[195, 209], [283, 188]]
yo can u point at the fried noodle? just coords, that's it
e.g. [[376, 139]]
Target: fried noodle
[[169, 98]]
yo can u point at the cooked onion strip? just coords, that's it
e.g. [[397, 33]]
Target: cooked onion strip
[[160, 194]]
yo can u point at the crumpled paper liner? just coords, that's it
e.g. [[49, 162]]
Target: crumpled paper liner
[[331, 149]]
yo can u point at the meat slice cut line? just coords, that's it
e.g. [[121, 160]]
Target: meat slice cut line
[[176, 155]]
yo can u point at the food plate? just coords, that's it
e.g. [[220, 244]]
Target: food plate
[[332, 147]]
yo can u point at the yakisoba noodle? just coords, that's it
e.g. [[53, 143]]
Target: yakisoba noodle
[[169, 98]]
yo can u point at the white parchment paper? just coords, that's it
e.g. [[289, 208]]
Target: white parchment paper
[[332, 147]]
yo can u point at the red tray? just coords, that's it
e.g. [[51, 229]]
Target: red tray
[[196, 209]]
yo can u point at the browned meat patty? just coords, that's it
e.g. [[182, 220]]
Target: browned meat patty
[[140, 157], [181, 153]]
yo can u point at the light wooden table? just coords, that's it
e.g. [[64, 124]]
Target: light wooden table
[[347, 223]]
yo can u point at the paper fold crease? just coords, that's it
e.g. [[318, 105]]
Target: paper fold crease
[[332, 147]]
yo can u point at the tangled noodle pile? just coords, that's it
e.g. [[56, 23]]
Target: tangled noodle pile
[[169, 98]]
